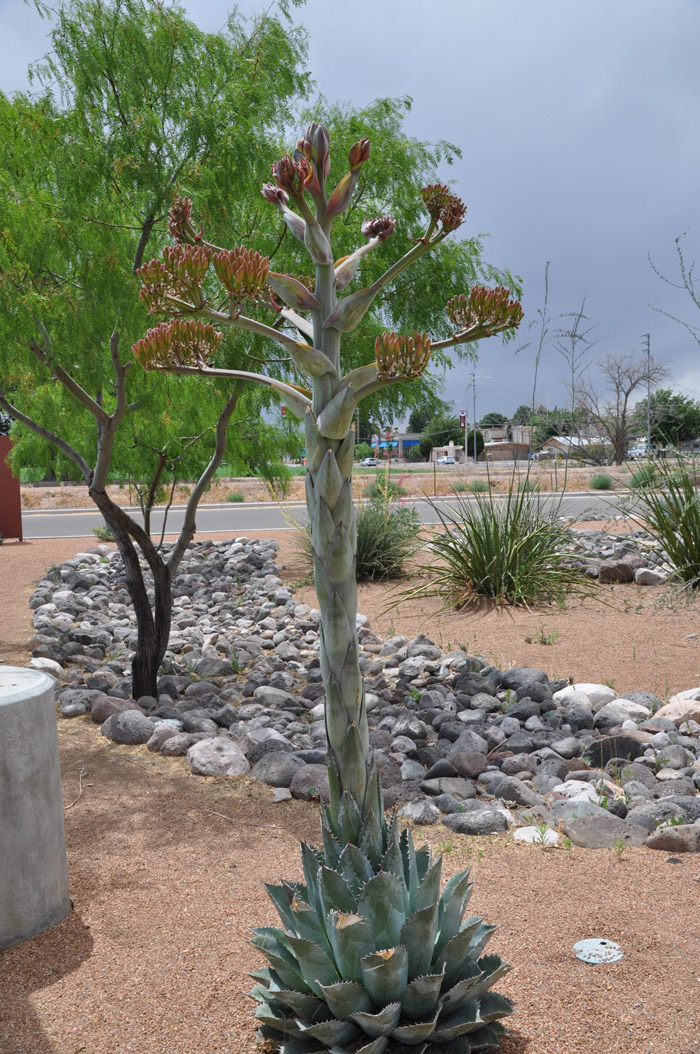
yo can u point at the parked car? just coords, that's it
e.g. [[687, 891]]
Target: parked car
[[641, 450], [446, 460], [369, 462]]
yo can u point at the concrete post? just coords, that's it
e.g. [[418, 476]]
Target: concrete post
[[33, 865]]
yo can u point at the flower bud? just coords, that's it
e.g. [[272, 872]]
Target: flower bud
[[381, 228], [443, 206], [359, 153], [489, 311], [275, 195], [401, 358]]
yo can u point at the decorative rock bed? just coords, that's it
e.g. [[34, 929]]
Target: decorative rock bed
[[477, 748]]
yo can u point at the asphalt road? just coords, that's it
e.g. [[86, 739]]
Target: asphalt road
[[239, 519]]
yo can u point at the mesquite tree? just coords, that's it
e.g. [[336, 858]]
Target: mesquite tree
[[369, 921]]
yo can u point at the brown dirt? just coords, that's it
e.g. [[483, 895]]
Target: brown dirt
[[414, 482], [167, 871]]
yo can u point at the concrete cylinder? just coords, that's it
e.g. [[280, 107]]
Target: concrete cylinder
[[33, 864]]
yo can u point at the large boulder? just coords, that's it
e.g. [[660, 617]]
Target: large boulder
[[685, 706], [130, 727], [218, 756], [604, 832]]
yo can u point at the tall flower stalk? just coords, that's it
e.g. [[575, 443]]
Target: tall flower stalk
[[364, 870]]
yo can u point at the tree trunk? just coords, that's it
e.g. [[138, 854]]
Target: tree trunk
[[152, 622]]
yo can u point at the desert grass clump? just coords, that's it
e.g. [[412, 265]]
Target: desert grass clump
[[512, 551], [669, 508], [601, 481], [643, 477], [479, 486], [235, 496]]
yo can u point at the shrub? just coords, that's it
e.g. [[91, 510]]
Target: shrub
[[459, 487], [669, 508], [601, 481], [235, 495], [511, 550], [103, 533], [478, 486], [386, 537], [526, 486], [383, 489], [643, 477]]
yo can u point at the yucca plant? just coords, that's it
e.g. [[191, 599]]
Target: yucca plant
[[369, 952], [669, 508], [511, 550]]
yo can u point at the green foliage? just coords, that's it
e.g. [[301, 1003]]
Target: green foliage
[[512, 551], [386, 536], [668, 506], [235, 496], [493, 420], [470, 443], [383, 489], [601, 481], [371, 951], [479, 486], [103, 533], [674, 417], [643, 477], [522, 415], [362, 450]]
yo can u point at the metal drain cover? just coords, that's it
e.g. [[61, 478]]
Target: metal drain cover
[[597, 951]]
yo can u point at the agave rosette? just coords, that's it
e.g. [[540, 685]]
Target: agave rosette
[[371, 956]]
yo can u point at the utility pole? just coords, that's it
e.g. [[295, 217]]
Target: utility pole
[[474, 405], [646, 339]]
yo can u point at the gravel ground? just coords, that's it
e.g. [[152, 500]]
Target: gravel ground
[[167, 873]]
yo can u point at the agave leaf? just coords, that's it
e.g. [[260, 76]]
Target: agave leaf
[[317, 244], [423, 861], [485, 1038], [379, 1024], [315, 445], [336, 894], [457, 953], [328, 482], [360, 376], [429, 889], [293, 293], [409, 865], [269, 939], [480, 977], [264, 975], [290, 976], [342, 511], [311, 861], [467, 1019], [339, 557], [492, 1006], [315, 964], [333, 1031], [377, 1046], [372, 837], [418, 935], [381, 903], [345, 454], [480, 939], [447, 892], [342, 193], [353, 766], [331, 845], [267, 1016], [349, 819], [280, 898], [385, 975], [416, 1031], [346, 998], [392, 862], [421, 996], [336, 417], [355, 867], [349, 312], [453, 910], [351, 939], [309, 926], [302, 1005]]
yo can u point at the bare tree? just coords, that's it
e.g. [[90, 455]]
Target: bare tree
[[612, 410], [545, 332], [688, 282]]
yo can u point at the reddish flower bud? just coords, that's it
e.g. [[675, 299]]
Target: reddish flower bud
[[242, 272], [180, 220], [182, 342], [443, 206], [488, 310], [401, 358], [359, 153], [275, 195], [381, 228]]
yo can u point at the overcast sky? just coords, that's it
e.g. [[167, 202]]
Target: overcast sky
[[579, 126]]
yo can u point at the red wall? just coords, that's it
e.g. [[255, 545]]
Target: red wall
[[10, 504]]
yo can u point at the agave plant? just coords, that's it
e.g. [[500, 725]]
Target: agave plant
[[370, 953]]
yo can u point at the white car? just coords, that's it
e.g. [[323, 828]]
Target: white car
[[369, 461], [446, 460]]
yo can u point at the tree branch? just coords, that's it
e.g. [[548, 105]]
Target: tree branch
[[49, 436]]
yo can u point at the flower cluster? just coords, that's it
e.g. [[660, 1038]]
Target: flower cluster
[[179, 275], [381, 228], [292, 174], [182, 342], [314, 147], [443, 206], [242, 272], [180, 221], [490, 310], [401, 357]]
